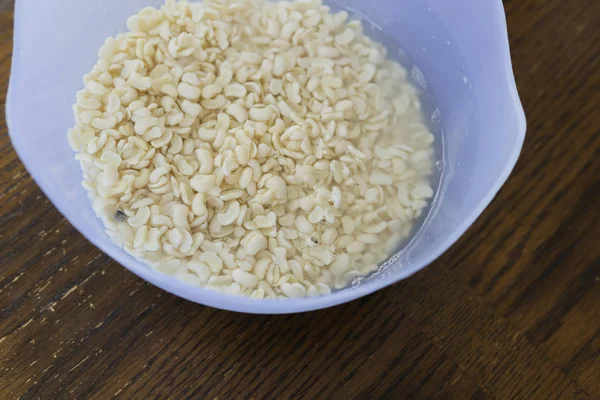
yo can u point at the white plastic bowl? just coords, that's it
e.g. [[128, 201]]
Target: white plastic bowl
[[460, 46]]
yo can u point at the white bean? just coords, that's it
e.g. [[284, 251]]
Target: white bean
[[293, 290], [255, 243], [229, 216], [213, 261], [188, 91], [244, 278]]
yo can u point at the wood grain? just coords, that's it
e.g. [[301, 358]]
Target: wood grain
[[512, 311], [7, 5]]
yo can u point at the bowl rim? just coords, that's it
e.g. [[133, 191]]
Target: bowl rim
[[241, 304]]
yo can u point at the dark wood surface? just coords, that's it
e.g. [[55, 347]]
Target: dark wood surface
[[6, 5], [512, 311]]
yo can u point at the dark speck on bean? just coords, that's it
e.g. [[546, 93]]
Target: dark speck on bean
[[120, 216]]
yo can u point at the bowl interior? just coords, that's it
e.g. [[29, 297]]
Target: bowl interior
[[463, 63]]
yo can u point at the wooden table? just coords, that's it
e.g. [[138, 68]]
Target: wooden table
[[512, 311]]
